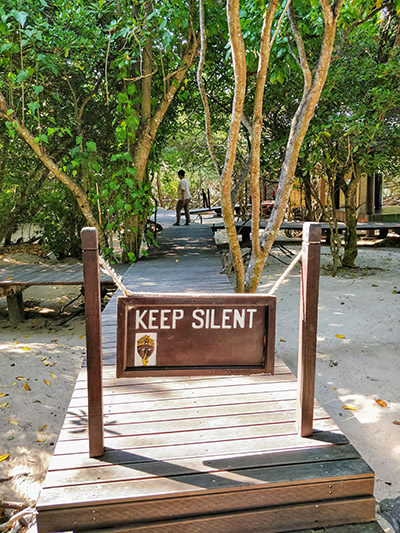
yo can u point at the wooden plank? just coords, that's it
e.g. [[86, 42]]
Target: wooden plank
[[189, 482], [268, 519], [120, 403], [149, 393], [189, 388], [134, 468], [370, 527], [271, 520], [148, 427], [238, 447], [60, 274], [72, 421], [110, 375], [138, 441]]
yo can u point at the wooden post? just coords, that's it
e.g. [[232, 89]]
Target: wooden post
[[309, 289], [91, 278]]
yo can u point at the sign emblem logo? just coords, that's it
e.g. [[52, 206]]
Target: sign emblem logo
[[145, 349]]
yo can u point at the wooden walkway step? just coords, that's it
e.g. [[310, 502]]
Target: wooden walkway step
[[189, 447], [200, 454]]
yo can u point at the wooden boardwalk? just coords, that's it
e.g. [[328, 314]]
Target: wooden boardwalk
[[15, 278], [200, 454], [15, 275]]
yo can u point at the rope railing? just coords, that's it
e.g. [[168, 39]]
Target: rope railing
[[108, 269], [286, 273]]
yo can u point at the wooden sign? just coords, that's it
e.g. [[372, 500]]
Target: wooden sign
[[195, 334]]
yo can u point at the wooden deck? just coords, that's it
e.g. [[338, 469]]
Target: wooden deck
[[200, 454], [206, 453], [244, 228], [17, 275]]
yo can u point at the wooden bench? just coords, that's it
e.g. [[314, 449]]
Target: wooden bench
[[244, 228], [14, 279], [222, 448]]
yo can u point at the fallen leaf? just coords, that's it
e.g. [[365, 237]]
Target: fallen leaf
[[37, 401], [350, 408], [53, 340], [43, 359], [9, 279], [282, 340], [12, 421], [340, 337], [52, 364], [4, 456], [20, 378], [176, 260], [334, 388], [16, 342], [2, 394], [4, 404], [40, 440], [53, 375], [26, 386], [47, 382], [26, 336], [375, 285], [382, 403], [43, 428], [46, 363], [25, 348], [396, 422], [81, 336]]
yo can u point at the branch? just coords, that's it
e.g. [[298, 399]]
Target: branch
[[278, 26], [358, 23], [257, 123], [141, 77], [203, 47], [106, 65], [239, 70], [300, 48]]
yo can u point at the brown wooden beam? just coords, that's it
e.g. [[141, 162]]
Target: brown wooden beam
[[91, 278], [309, 289]]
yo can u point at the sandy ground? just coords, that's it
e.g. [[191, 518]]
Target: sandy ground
[[358, 364]]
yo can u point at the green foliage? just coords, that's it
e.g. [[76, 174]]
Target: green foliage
[[59, 221]]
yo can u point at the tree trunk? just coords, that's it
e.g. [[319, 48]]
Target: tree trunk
[[350, 243], [159, 190], [134, 224], [308, 197], [239, 69], [313, 86], [335, 240], [79, 194]]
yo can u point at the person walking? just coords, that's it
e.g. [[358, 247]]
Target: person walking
[[183, 199]]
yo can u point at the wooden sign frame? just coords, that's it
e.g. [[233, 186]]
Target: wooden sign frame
[[203, 334]]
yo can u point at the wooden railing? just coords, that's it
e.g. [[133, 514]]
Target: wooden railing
[[309, 291]]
